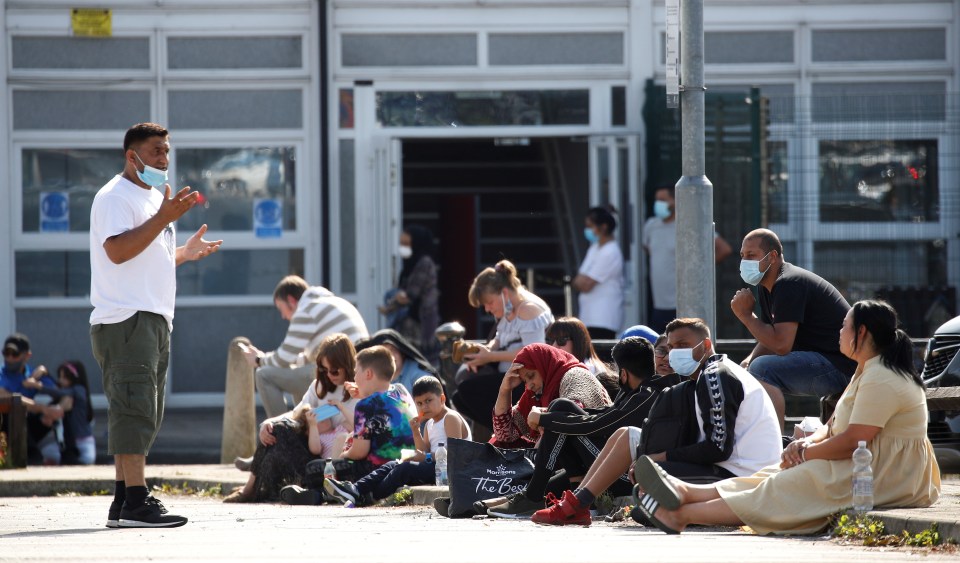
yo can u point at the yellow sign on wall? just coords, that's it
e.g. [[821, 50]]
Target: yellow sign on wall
[[91, 22]]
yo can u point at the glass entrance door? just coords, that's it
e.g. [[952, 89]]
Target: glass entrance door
[[615, 180]]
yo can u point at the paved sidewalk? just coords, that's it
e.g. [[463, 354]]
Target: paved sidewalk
[[47, 481]]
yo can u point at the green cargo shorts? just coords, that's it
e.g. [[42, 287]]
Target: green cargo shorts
[[133, 356]]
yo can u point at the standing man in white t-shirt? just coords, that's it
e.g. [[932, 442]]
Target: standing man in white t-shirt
[[133, 258], [600, 279], [660, 242]]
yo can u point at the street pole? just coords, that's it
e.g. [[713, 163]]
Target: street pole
[[696, 268]]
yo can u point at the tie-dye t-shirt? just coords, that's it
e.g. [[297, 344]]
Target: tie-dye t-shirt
[[384, 420]]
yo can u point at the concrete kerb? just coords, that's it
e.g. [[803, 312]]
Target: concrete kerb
[[50, 481]]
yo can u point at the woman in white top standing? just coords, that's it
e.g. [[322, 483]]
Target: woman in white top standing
[[600, 279]]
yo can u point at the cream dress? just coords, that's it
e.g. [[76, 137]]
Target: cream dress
[[801, 499]]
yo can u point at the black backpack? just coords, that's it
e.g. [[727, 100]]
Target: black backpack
[[672, 422]]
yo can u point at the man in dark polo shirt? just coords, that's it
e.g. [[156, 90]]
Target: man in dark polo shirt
[[797, 351]]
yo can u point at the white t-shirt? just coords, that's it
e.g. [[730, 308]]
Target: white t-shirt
[[660, 240], [602, 306], [146, 282]]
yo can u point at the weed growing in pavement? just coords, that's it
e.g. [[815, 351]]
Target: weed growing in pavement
[[186, 489], [402, 497], [868, 531]]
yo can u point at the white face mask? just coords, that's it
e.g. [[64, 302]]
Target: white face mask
[[405, 252], [683, 362], [750, 270]]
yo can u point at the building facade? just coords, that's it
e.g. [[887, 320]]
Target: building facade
[[315, 130]]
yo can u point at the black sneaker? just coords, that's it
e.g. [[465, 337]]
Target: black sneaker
[[295, 494], [113, 515], [151, 514], [518, 507], [442, 506], [343, 490]]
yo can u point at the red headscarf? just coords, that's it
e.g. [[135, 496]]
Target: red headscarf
[[552, 364]]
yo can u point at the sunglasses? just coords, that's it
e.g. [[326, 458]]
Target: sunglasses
[[661, 352], [325, 371], [558, 341], [10, 354]]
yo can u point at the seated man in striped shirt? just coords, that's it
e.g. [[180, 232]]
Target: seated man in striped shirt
[[313, 312]]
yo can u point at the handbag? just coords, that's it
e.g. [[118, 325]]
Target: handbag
[[480, 471]]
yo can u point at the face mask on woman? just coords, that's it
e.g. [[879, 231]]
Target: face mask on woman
[[405, 252], [683, 362], [590, 235], [507, 305]]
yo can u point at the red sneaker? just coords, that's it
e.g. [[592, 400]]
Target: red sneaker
[[563, 511]]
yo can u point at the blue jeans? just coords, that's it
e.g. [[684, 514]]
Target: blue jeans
[[386, 479], [800, 373]]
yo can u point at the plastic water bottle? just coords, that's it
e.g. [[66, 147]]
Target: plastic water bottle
[[862, 478], [328, 471], [440, 465]]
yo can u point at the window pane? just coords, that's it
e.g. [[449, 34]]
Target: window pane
[[74, 174], [348, 227], [458, 109], [52, 274], [230, 179], [879, 181], [909, 274], [239, 272], [777, 170], [618, 105]]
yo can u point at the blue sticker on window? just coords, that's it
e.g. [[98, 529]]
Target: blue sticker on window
[[268, 218], [54, 212]]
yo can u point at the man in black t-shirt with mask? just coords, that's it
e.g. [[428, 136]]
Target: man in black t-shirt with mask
[[798, 350]]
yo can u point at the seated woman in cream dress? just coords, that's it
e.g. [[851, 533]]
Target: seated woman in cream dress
[[884, 405]]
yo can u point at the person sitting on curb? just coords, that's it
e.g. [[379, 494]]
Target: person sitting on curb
[[884, 406], [547, 373], [313, 312], [439, 424], [17, 376], [571, 437], [738, 432], [381, 426], [287, 443], [796, 332]]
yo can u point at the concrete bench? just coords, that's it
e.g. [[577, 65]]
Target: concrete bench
[[15, 413]]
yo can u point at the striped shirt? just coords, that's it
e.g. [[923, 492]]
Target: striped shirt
[[319, 313]]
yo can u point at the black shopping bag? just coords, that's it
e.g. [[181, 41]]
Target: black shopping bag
[[479, 471]]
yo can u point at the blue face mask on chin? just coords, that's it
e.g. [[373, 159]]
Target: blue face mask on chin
[[13, 367], [590, 235], [151, 176]]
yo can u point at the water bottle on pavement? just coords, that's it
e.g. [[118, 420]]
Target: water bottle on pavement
[[440, 465], [862, 478], [328, 471]]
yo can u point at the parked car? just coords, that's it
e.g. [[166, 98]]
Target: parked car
[[941, 368]]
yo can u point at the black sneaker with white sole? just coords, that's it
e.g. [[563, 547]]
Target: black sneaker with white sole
[[151, 514], [297, 495], [343, 490], [113, 515]]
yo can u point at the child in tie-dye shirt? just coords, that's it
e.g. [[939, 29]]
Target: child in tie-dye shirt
[[382, 416]]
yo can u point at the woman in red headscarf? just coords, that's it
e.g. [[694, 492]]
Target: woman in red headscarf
[[547, 373]]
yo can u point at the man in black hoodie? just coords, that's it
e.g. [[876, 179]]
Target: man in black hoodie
[[573, 437]]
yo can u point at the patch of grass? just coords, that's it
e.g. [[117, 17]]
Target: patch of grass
[[403, 497], [186, 490], [605, 503], [97, 493], [869, 532], [3, 450]]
